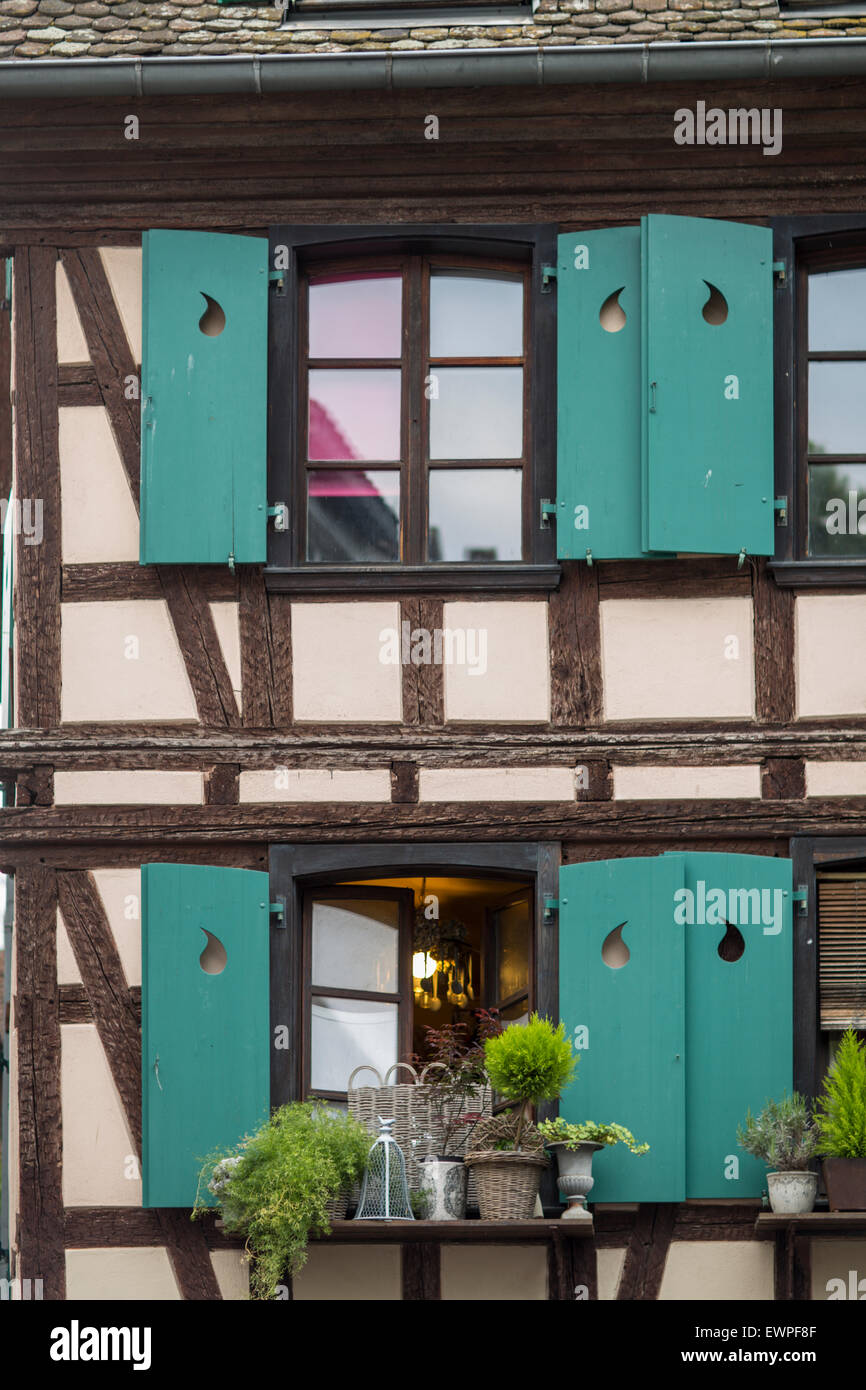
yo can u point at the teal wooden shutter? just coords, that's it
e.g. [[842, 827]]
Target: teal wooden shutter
[[739, 1013], [598, 411], [632, 1071], [205, 1037], [682, 1040], [204, 398], [707, 387]]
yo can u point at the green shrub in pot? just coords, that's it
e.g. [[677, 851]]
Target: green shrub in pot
[[278, 1186], [841, 1117], [784, 1136], [574, 1146]]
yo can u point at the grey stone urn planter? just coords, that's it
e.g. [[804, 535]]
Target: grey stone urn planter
[[575, 1178], [792, 1193], [443, 1181]]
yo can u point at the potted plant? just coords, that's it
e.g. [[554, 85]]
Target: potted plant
[[574, 1146], [459, 1096], [841, 1116], [283, 1183], [784, 1137], [527, 1063]]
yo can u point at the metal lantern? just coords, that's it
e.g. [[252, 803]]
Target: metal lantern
[[384, 1189]]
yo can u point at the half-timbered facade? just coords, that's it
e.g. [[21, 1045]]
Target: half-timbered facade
[[428, 474]]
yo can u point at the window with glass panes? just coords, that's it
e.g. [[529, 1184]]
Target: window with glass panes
[[833, 397], [415, 411]]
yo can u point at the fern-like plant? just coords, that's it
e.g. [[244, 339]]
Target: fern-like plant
[[841, 1109], [782, 1135], [529, 1062], [275, 1185]]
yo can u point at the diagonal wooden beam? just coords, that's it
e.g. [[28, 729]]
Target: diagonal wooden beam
[[647, 1252], [116, 1021], [110, 353], [202, 653]]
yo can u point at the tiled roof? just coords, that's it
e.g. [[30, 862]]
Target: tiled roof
[[115, 28]]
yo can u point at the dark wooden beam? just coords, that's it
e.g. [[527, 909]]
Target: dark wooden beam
[[423, 686], [36, 1005], [202, 653], [575, 649], [647, 1252], [266, 652], [774, 648], [421, 1274]]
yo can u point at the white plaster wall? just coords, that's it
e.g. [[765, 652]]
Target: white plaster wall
[[98, 517], [836, 1259], [511, 684], [609, 1263], [226, 620], [835, 779], [682, 658], [730, 1270], [67, 966], [315, 784], [103, 679], [98, 1151], [232, 1274], [497, 784], [494, 1273], [338, 676], [349, 1273], [128, 787], [123, 267], [120, 891], [830, 654], [642, 783], [129, 1274], [71, 342]]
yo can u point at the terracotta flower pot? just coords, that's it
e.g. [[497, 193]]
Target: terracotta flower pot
[[845, 1180]]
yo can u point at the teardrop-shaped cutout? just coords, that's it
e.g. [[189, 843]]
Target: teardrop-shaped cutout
[[612, 315], [213, 958], [615, 952], [715, 311], [213, 320], [732, 944]]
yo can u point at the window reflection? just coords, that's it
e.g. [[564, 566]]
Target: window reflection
[[475, 514], [353, 516]]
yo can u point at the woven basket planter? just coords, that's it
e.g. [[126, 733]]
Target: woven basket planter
[[338, 1206], [507, 1183]]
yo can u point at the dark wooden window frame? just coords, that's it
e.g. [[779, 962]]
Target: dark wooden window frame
[[532, 245], [811, 855], [297, 869], [800, 242]]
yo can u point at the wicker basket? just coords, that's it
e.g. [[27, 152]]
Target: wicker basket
[[338, 1206], [507, 1183]]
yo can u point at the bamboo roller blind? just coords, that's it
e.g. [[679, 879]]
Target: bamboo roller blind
[[842, 952]]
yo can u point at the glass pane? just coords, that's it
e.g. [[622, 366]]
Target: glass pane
[[837, 311], [475, 514], [355, 944], [349, 1033], [512, 953], [837, 408], [515, 1013], [356, 315], [353, 516], [477, 413], [474, 315], [837, 510], [354, 414]]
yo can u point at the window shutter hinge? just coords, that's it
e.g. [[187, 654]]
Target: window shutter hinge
[[278, 910], [547, 509], [780, 505], [278, 279], [548, 275], [551, 905], [589, 558], [741, 558], [231, 562], [801, 897], [280, 512], [780, 272]]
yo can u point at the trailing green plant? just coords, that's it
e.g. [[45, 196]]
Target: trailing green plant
[[527, 1063], [588, 1132], [783, 1135], [275, 1185], [841, 1108]]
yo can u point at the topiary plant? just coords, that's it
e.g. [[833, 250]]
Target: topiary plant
[[275, 1185], [841, 1110], [782, 1135], [527, 1063]]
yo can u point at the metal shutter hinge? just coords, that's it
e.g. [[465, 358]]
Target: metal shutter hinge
[[780, 505], [547, 509], [801, 897], [278, 279], [278, 910], [780, 272], [551, 905], [548, 275]]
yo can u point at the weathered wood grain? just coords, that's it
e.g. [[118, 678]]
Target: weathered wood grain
[[202, 654], [266, 652], [783, 779], [423, 686], [647, 1252], [575, 649], [774, 648]]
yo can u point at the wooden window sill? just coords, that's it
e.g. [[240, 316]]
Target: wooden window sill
[[815, 574], [769, 1223], [537, 1229], [412, 579]]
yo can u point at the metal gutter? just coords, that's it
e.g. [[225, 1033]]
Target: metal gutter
[[750, 60]]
